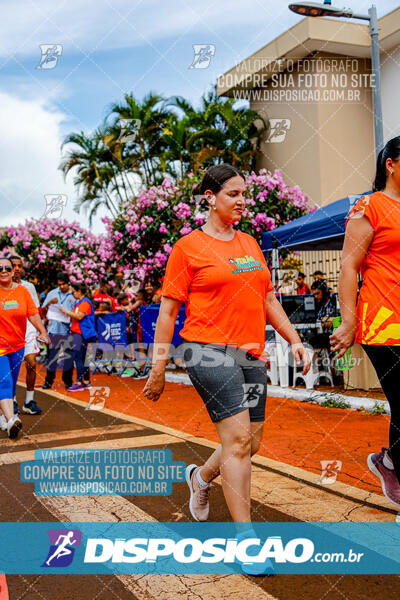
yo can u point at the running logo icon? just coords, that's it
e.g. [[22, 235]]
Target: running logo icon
[[129, 130], [330, 470], [50, 55], [252, 393], [62, 547], [55, 204], [203, 54], [98, 397], [107, 332], [278, 130]]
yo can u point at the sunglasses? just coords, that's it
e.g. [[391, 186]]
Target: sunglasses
[[8, 269]]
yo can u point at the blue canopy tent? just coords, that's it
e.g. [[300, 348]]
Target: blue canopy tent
[[322, 229]]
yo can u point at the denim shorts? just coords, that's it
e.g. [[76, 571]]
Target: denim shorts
[[229, 380]]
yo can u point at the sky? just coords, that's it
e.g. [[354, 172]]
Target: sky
[[109, 48]]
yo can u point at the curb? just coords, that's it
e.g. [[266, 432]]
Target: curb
[[355, 402]]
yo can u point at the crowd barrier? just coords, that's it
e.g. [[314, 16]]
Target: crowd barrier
[[112, 338]]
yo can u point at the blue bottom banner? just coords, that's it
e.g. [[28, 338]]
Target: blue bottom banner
[[199, 548]]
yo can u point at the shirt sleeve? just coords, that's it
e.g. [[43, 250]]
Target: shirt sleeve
[[31, 306], [261, 257], [34, 295], [47, 299], [364, 208], [85, 308], [178, 276]]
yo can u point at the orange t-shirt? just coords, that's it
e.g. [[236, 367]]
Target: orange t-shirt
[[378, 305], [16, 305], [83, 307], [224, 285]]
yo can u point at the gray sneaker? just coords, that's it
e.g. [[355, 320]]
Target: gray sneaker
[[198, 504], [3, 423], [390, 483]]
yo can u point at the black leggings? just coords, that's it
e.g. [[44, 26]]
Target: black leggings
[[386, 360]]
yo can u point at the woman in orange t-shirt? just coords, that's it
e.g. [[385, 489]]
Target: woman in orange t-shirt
[[16, 307], [221, 275], [372, 245]]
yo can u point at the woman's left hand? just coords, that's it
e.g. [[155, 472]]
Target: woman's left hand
[[64, 310], [300, 354]]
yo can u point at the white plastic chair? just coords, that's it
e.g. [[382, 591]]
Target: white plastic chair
[[282, 354], [272, 372], [314, 374]]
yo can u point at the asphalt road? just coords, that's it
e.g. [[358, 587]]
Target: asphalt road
[[277, 495]]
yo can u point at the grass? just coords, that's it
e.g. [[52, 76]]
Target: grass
[[335, 403], [377, 409]]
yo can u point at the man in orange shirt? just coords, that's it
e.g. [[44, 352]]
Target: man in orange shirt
[[302, 286]]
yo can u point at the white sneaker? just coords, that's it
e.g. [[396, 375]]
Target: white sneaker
[[14, 426], [3, 423]]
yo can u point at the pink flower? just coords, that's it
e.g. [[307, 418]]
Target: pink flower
[[185, 229]]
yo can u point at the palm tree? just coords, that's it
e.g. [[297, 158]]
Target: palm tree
[[86, 161], [242, 129], [143, 125], [155, 137], [218, 132]]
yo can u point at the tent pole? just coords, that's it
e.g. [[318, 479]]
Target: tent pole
[[275, 270]]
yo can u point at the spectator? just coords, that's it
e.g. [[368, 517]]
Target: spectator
[[104, 309], [302, 286], [101, 294], [43, 294], [322, 295], [326, 310], [140, 300], [83, 333], [17, 306], [320, 276], [151, 293], [124, 302], [31, 346], [113, 292], [59, 332]]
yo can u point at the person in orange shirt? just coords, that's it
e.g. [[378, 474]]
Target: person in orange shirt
[[83, 331], [302, 286], [372, 245], [221, 275], [16, 308]]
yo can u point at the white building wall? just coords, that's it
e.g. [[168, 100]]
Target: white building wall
[[390, 87]]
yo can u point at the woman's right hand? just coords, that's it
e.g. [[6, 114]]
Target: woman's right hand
[[155, 385], [342, 339]]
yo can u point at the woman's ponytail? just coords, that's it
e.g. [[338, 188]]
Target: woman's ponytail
[[391, 150]]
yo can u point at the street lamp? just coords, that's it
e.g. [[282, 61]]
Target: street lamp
[[316, 9]]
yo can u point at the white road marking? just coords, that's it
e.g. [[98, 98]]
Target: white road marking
[[151, 587], [146, 441]]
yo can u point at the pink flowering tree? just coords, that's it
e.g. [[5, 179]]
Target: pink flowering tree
[[147, 227], [49, 245], [139, 240]]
